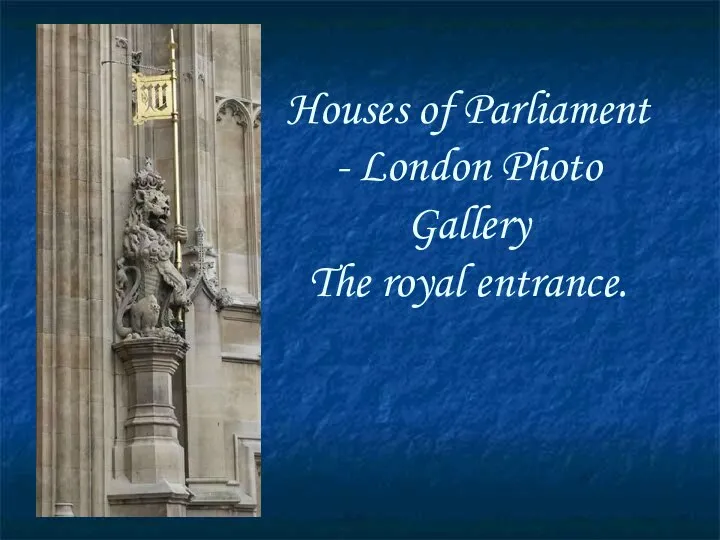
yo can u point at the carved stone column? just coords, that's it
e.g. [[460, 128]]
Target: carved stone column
[[154, 459], [70, 233]]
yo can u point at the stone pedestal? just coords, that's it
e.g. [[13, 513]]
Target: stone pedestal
[[154, 459], [63, 510]]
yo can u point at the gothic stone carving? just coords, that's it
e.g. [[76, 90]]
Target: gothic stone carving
[[242, 111], [147, 283], [231, 108], [205, 273]]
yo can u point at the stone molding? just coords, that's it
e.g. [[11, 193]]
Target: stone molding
[[145, 354], [247, 455], [162, 499], [235, 358]]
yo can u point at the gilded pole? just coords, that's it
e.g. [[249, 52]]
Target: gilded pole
[[176, 156], [176, 150]]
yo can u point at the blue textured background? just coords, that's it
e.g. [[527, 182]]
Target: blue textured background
[[468, 417]]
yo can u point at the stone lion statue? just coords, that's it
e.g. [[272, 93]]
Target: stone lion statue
[[148, 286]]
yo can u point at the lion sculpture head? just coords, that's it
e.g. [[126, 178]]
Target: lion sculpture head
[[153, 208], [145, 229]]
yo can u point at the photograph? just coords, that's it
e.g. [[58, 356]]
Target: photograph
[[148, 270]]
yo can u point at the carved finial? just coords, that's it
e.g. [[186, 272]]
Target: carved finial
[[205, 275], [200, 235]]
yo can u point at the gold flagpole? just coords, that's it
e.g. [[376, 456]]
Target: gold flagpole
[[176, 155], [176, 151]]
